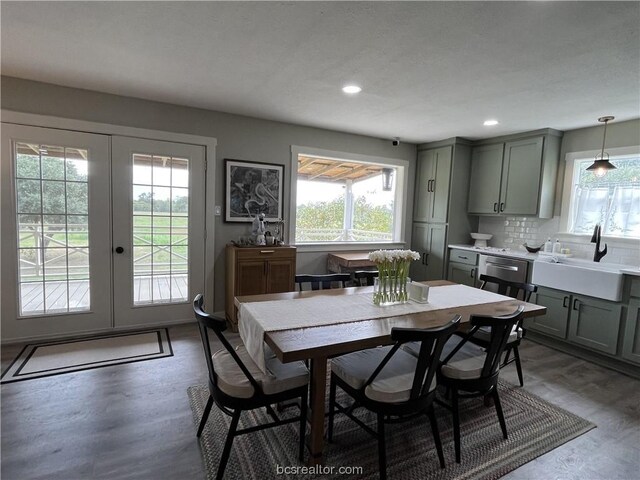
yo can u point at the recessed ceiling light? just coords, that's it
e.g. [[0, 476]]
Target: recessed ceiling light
[[490, 123], [351, 89]]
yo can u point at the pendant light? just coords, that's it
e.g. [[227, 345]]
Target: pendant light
[[601, 165], [387, 179]]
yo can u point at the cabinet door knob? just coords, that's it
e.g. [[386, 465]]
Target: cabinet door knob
[[119, 250]]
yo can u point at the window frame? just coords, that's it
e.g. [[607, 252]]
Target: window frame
[[401, 201], [571, 158]]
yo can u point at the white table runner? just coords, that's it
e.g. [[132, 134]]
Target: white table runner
[[256, 318]]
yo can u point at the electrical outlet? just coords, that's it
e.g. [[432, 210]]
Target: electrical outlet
[[218, 210]]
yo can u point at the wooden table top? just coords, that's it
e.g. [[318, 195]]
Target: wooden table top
[[351, 259], [329, 340]]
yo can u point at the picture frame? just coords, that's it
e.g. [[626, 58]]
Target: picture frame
[[252, 188]]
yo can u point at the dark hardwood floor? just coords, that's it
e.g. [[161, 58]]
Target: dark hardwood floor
[[133, 421]]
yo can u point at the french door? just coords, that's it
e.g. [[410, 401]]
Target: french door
[[56, 247], [98, 231], [158, 230]]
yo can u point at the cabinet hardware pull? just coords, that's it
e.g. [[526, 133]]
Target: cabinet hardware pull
[[564, 302], [575, 303], [502, 207], [473, 273], [464, 258], [426, 259], [495, 207], [433, 185], [267, 251], [428, 185]]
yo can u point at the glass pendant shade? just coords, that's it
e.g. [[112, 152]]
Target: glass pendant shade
[[387, 179]]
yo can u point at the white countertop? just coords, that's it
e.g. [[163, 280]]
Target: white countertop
[[631, 271], [530, 257], [520, 255]]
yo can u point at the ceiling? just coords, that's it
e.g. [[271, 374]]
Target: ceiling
[[428, 70]]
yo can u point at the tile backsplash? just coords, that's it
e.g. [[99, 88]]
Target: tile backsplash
[[512, 232]]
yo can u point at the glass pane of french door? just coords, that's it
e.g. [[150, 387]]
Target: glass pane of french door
[[159, 226], [55, 223]]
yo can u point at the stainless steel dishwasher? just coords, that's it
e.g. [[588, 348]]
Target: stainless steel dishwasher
[[508, 269]]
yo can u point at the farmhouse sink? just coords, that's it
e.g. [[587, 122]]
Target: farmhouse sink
[[600, 280]]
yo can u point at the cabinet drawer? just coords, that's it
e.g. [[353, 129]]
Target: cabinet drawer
[[635, 287], [462, 256], [265, 253]]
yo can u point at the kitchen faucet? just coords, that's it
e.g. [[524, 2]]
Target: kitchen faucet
[[595, 238]]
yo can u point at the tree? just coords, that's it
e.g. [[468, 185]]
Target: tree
[[53, 195]]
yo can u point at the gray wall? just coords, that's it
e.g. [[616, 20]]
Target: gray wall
[[239, 137]]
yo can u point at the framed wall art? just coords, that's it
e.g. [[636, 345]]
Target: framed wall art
[[252, 188]]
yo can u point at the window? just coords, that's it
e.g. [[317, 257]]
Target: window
[[343, 200], [612, 200]]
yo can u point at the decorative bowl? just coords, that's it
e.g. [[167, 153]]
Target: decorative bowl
[[533, 249], [481, 239]]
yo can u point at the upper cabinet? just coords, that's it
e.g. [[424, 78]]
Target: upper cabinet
[[515, 176], [432, 185]]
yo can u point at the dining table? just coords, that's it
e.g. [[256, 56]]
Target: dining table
[[318, 344]]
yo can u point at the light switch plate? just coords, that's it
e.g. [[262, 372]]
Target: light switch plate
[[218, 210]]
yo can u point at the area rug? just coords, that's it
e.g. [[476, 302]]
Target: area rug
[[534, 426], [54, 358]]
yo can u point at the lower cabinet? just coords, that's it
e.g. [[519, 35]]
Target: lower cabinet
[[462, 273], [582, 320], [631, 339], [595, 323], [555, 322], [430, 241]]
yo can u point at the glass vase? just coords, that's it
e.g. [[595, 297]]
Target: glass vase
[[390, 290]]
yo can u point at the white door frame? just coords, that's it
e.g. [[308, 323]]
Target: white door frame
[[209, 143]]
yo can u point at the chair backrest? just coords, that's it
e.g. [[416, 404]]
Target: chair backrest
[[365, 277], [217, 324], [521, 291], [432, 341], [323, 281], [501, 328]]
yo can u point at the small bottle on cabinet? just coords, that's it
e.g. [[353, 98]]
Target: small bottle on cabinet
[[548, 246], [557, 246]]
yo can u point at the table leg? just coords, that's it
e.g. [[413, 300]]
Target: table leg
[[317, 404]]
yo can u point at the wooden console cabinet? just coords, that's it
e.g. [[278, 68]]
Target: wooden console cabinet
[[257, 270]]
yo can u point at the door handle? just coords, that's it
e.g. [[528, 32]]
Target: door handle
[[267, 251], [564, 302], [502, 267], [502, 207], [495, 207], [575, 303], [119, 250]]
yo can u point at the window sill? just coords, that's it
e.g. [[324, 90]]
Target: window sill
[[345, 247], [612, 241]]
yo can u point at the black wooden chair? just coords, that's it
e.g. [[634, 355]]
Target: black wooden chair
[[364, 278], [477, 375], [392, 383], [237, 384], [322, 282], [482, 337]]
